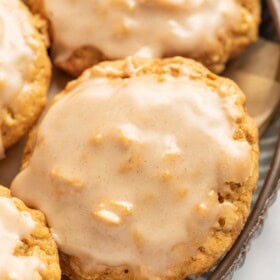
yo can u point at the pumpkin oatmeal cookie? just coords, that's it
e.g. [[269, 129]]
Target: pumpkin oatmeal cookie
[[24, 71], [153, 162], [86, 32], [27, 249]]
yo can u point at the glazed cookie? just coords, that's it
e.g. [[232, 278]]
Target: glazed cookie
[[24, 71], [28, 251], [88, 31], [154, 168]]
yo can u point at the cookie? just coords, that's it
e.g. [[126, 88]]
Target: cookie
[[144, 168], [88, 31], [24, 72], [27, 248]]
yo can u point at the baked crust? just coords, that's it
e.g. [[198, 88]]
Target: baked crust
[[23, 111], [227, 46], [40, 243], [225, 231]]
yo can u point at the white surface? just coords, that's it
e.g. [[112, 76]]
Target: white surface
[[263, 260]]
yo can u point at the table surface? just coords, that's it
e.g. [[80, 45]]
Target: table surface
[[263, 260]]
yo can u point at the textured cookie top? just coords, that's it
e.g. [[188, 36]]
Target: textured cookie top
[[27, 249], [16, 225], [135, 153], [16, 52], [120, 28]]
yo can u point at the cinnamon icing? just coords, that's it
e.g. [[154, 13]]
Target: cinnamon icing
[[121, 28]]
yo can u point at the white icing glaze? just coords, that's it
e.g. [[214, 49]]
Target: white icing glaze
[[14, 226], [130, 174], [120, 28], [15, 51]]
